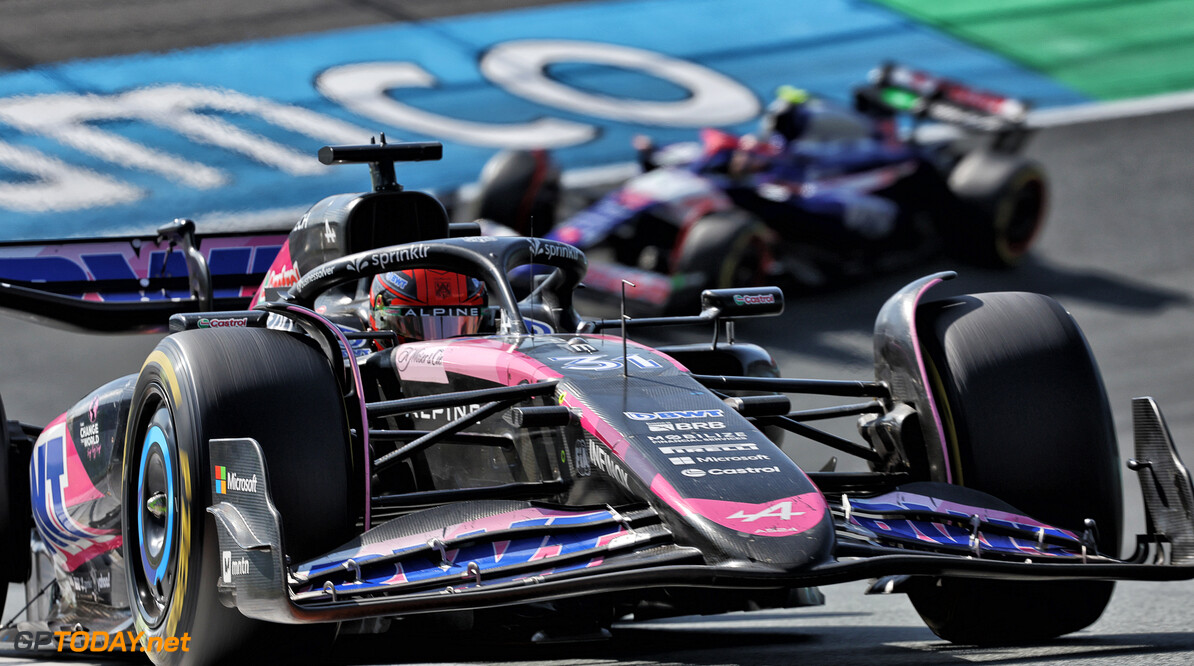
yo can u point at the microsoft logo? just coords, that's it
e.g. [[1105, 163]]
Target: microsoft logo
[[226, 481]]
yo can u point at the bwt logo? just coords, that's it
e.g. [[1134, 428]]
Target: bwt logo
[[693, 414]]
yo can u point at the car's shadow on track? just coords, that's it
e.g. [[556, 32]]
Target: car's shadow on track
[[813, 324], [752, 640]]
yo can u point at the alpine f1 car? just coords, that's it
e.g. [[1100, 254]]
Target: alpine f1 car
[[353, 454], [820, 196]]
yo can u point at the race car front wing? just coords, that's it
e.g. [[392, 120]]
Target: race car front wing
[[502, 552]]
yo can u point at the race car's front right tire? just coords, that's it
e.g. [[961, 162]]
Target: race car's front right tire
[[1026, 419], [1002, 203], [209, 384]]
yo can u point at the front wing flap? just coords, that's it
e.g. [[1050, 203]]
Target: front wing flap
[[518, 552]]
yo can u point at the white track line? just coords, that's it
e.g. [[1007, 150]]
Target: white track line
[[1098, 111], [610, 175]]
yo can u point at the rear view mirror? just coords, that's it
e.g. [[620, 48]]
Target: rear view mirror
[[744, 302]]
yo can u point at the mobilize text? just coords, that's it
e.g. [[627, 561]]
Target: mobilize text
[[697, 437]]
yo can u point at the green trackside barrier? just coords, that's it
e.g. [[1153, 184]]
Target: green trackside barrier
[[1108, 49]]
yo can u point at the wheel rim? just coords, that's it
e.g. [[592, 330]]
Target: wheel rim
[[154, 515], [1025, 218], [749, 266]]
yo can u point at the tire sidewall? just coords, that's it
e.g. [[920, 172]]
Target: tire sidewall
[[193, 609], [278, 390], [989, 187], [1016, 456], [716, 246]]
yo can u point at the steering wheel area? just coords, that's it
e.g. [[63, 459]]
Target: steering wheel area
[[487, 258]]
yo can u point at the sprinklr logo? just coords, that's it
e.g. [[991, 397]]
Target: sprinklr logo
[[226, 481]]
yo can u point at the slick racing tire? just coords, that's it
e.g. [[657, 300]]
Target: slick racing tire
[[719, 251], [521, 190], [209, 384], [15, 511], [1026, 419], [1002, 208]]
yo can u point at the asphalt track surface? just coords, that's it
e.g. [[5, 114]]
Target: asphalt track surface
[[1116, 252]]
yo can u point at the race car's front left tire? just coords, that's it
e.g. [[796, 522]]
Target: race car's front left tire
[[521, 190], [1026, 419], [719, 251], [208, 384]]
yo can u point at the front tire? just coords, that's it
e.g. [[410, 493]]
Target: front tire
[[521, 190], [1026, 419], [727, 250], [1002, 208], [202, 385]]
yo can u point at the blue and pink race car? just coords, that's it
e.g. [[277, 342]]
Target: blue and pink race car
[[282, 469]]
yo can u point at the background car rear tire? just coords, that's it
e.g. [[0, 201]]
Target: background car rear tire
[[728, 249], [1027, 420], [1002, 208], [521, 190], [202, 385]]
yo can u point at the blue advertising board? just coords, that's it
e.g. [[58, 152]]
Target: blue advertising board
[[227, 135]]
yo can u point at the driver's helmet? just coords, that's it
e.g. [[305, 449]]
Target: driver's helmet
[[428, 304], [785, 117]]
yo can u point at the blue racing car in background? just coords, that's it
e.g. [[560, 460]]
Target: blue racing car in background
[[821, 195]]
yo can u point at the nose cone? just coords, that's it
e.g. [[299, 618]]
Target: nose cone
[[788, 533]]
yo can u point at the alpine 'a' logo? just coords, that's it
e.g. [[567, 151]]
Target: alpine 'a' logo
[[780, 510]]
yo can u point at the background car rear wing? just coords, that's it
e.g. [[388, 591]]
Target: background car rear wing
[[137, 283], [133, 283], [897, 88]]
